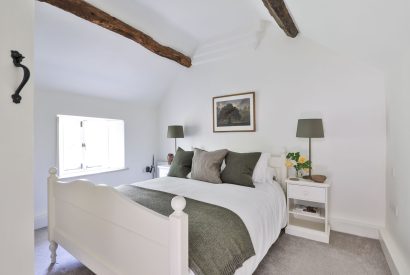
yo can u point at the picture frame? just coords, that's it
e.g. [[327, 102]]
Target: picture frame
[[234, 113]]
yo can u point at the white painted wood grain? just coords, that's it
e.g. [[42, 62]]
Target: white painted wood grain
[[111, 234]]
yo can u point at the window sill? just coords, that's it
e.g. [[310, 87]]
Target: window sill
[[93, 172]]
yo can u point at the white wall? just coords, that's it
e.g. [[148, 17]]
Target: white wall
[[296, 78], [398, 149], [140, 138], [16, 141]]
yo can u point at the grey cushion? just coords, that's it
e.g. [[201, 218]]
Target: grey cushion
[[206, 166], [239, 168], [181, 165]]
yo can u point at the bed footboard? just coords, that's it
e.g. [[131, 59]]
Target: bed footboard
[[112, 234]]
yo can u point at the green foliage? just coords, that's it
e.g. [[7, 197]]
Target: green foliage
[[294, 157]]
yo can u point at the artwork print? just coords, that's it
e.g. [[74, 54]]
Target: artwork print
[[234, 113]]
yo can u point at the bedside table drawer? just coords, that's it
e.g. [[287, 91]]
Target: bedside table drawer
[[307, 193]]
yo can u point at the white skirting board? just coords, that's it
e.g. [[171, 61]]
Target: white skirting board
[[40, 221], [354, 227], [395, 258]]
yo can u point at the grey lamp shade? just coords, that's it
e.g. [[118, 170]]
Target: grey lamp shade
[[175, 131], [310, 128]]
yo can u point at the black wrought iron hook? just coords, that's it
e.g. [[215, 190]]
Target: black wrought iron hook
[[17, 58]]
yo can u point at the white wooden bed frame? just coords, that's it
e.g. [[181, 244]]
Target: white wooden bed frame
[[111, 234]]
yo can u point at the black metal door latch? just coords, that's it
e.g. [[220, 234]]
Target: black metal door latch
[[17, 58]]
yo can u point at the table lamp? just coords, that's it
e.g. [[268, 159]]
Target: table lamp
[[310, 128], [175, 131]]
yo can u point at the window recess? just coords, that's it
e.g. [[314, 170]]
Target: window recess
[[89, 145]]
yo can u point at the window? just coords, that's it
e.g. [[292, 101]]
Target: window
[[89, 145]]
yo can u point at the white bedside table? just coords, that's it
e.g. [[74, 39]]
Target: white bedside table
[[305, 224], [162, 169]]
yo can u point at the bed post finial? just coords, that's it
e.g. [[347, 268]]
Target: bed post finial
[[52, 171], [178, 203]]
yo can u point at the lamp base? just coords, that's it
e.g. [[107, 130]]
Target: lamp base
[[319, 178]]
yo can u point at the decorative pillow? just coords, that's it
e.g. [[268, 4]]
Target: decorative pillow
[[206, 166], [239, 168], [182, 163]]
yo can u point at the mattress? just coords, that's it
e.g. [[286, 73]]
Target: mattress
[[262, 209]]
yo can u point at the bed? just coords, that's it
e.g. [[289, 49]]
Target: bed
[[111, 234]]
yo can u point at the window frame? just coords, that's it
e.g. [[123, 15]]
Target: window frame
[[83, 171]]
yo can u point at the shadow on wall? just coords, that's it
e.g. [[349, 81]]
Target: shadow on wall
[[191, 130]]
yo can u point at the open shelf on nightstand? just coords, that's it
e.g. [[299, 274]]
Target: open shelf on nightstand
[[307, 223], [294, 211], [307, 214]]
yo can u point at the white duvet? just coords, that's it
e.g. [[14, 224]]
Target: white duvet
[[262, 209]]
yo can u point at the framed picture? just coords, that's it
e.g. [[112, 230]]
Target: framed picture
[[234, 113]]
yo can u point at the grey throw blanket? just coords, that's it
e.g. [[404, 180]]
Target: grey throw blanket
[[219, 242]]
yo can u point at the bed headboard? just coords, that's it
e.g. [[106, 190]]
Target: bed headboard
[[278, 162]]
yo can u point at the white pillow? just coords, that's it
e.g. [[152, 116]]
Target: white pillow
[[259, 173], [270, 174], [223, 165]]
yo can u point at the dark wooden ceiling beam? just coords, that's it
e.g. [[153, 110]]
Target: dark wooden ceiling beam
[[279, 11], [90, 13]]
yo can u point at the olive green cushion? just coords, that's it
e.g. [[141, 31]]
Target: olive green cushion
[[182, 163], [206, 166], [239, 168]]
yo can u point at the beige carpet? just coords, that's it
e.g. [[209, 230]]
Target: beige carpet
[[346, 254]]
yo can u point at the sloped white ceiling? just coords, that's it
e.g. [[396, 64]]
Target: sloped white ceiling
[[373, 31], [73, 55]]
